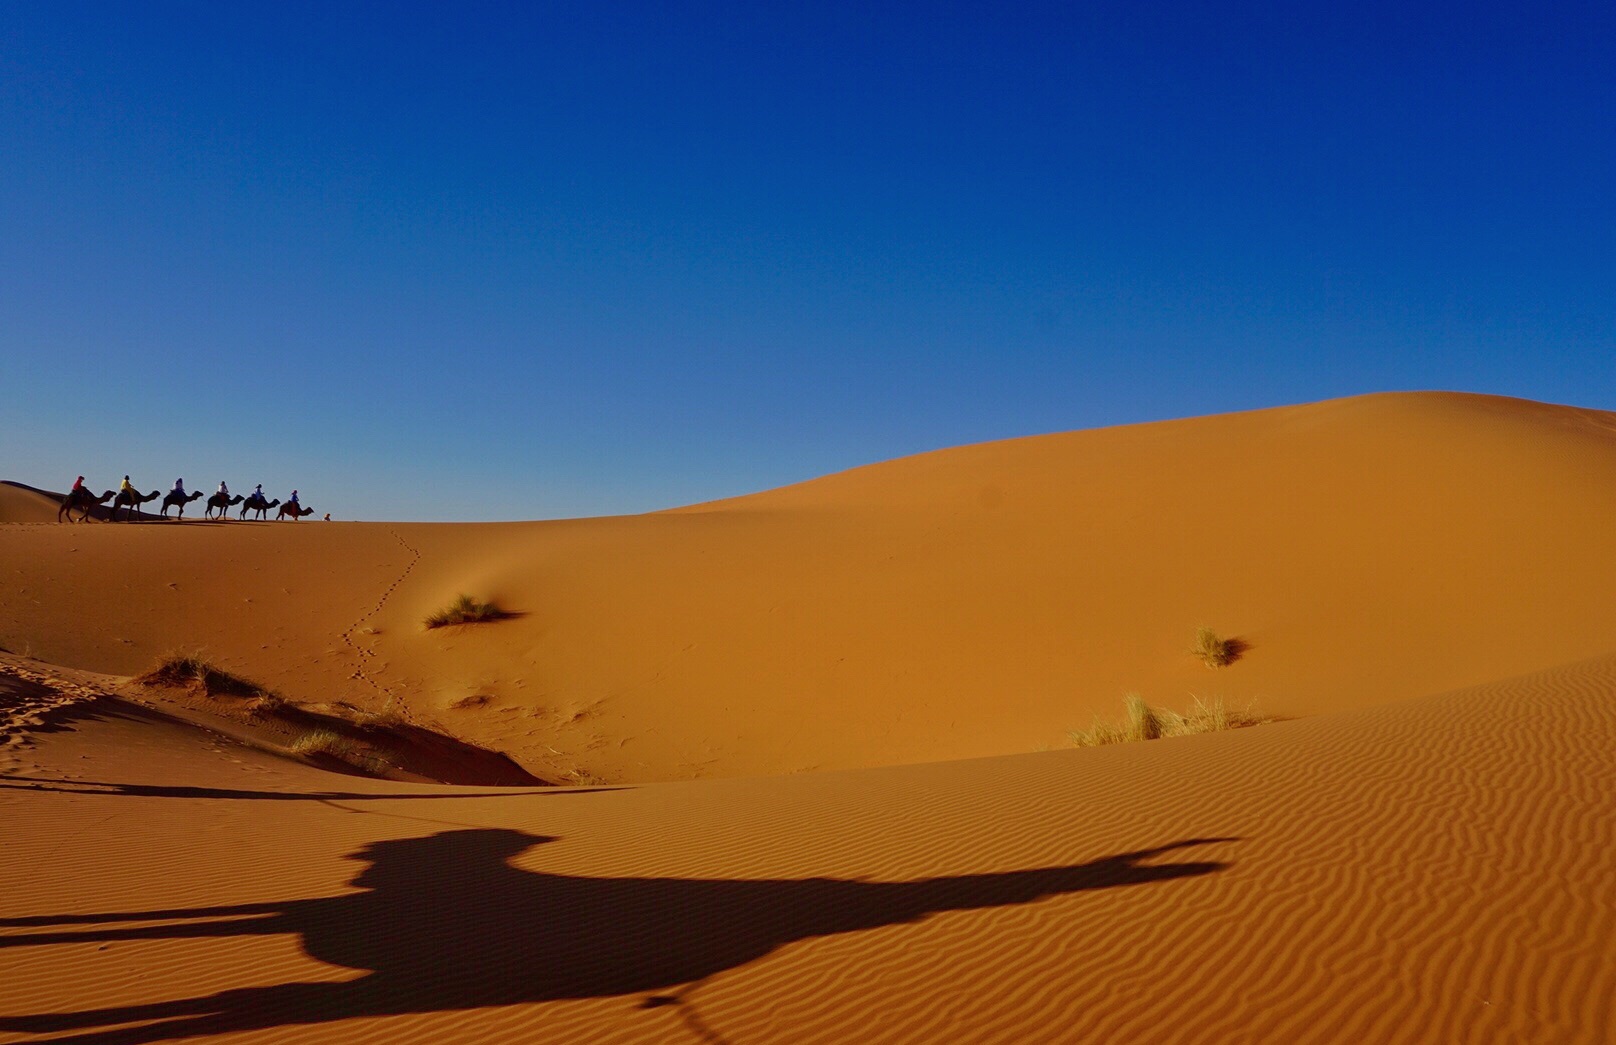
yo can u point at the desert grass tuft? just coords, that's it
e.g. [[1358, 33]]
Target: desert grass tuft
[[466, 609], [192, 670], [323, 742], [1145, 722], [387, 717], [1099, 734], [327, 742], [266, 704], [1213, 650]]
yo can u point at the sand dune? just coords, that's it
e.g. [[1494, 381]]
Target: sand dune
[[1422, 851], [975, 601], [1439, 869], [24, 504]]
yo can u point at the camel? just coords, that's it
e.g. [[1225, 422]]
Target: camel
[[222, 503], [293, 511], [173, 499], [131, 499], [83, 501], [256, 503]]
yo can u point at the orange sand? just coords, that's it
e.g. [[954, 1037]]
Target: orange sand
[[1424, 852], [977, 601]]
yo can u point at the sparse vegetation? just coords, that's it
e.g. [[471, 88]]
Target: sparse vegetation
[[323, 742], [466, 609], [1145, 722], [191, 671], [343, 749], [1214, 651], [388, 717], [267, 704]]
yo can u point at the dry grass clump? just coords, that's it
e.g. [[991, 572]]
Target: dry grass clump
[[466, 609], [192, 671], [1150, 723], [323, 742], [268, 704], [343, 749], [1214, 651], [388, 717]]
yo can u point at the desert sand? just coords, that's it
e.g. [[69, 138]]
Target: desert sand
[[1420, 849]]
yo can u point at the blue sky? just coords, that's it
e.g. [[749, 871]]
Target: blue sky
[[524, 261]]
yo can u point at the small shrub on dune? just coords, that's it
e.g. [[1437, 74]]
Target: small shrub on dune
[[1143, 721], [192, 671], [376, 762], [324, 742], [388, 717], [267, 704], [465, 610], [383, 720], [1150, 723], [1214, 717], [1214, 651], [1099, 734]]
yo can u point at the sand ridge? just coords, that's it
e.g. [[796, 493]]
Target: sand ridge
[[1423, 850], [1434, 869], [973, 601]]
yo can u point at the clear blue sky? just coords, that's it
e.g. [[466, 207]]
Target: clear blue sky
[[479, 261]]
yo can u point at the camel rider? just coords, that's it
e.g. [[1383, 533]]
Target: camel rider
[[179, 487], [126, 486], [224, 491], [292, 500], [78, 485], [258, 492]]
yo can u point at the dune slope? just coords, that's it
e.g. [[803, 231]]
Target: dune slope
[[973, 601], [19, 503], [1439, 869]]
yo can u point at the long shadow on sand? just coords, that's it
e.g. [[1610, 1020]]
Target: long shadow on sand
[[444, 922], [17, 782]]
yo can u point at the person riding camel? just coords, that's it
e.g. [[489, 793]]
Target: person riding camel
[[126, 486], [78, 485], [292, 500], [258, 492], [224, 491], [179, 487]]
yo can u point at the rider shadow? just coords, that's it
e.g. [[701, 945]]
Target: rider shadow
[[446, 923]]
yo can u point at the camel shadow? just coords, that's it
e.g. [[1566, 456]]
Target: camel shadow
[[445, 922]]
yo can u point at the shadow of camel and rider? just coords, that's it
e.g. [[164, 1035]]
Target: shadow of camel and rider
[[445, 922]]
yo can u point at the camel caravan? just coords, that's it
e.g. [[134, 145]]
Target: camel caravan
[[81, 501]]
